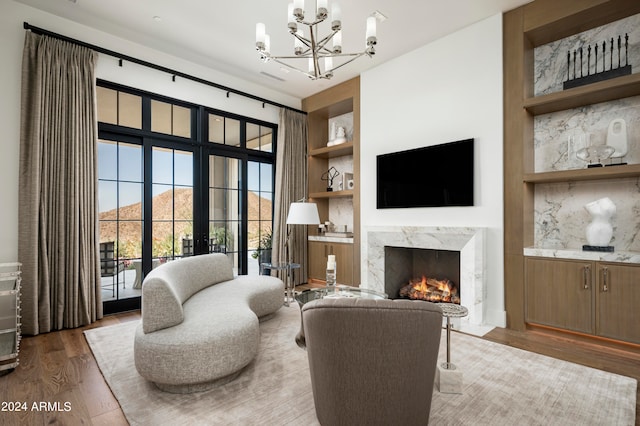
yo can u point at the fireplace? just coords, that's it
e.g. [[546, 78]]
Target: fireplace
[[468, 245], [422, 274]]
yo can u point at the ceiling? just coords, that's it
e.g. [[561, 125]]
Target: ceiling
[[221, 34]]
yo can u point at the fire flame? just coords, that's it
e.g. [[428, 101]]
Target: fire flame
[[432, 290]]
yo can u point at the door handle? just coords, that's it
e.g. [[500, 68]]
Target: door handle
[[605, 279], [205, 241], [586, 283]]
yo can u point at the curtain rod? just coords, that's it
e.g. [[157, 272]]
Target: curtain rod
[[174, 73]]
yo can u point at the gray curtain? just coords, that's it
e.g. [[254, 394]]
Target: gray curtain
[[291, 186], [58, 244]]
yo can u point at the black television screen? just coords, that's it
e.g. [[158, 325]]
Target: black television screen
[[433, 176]]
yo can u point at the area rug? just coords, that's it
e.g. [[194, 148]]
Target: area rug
[[502, 385]]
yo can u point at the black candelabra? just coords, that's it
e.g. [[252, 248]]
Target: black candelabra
[[597, 69]]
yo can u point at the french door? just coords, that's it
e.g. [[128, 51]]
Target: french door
[[176, 180], [162, 200]]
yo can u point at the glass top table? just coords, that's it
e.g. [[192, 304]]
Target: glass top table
[[289, 285], [339, 291]]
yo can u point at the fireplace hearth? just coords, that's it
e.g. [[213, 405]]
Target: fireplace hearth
[[405, 268], [466, 243]]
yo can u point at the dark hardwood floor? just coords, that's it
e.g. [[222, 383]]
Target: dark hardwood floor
[[59, 374], [604, 355]]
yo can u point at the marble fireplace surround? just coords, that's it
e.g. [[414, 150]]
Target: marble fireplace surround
[[470, 242]]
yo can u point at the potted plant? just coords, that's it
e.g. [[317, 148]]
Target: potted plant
[[263, 252]]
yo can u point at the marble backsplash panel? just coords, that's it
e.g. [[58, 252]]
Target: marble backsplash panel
[[341, 209], [550, 68], [561, 219], [556, 138]]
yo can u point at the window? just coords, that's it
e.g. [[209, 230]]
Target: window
[[164, 193]]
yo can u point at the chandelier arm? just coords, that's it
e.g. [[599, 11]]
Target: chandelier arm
[[322, 43], [303, 40], [314, 57], [355, 56], [276, 59]]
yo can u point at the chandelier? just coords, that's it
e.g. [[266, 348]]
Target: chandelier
[[308, 44]]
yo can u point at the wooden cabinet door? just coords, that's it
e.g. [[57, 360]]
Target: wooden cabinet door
[[318, 252], [559, 293], [344, 262], [618, 302]]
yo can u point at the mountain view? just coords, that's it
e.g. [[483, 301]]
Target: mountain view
[[164, 224]]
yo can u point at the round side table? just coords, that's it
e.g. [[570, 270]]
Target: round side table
[[451, 310]]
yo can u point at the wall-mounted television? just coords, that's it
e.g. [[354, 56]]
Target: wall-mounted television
[[432, 176]]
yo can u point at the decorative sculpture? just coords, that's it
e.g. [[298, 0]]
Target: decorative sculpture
[[329, 176], [600, 230], [593, 73]]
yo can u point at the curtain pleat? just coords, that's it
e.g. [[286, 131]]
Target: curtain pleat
[[58, 244], [291, 186]]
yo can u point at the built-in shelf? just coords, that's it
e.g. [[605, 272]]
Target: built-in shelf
[[332, 194], [333, 151], [595, 173], [603, 91]]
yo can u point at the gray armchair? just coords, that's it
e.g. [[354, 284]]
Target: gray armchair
[[372, 362]]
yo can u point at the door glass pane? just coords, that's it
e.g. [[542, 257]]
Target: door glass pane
[[107, 101], [130, 200], [266, 139], [260, 208], [216, 128], [172, 204], [181, 121], [129, 110], [183, 172], [120, 218], [107, 160], [224, 207], [162, 170], [130, 162], [259, 137], [160, 117], [231, 132], [253, 136]]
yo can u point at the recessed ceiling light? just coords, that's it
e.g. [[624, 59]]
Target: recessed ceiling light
[[157, 18]]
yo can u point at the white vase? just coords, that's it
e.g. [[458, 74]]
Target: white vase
[[600, 230]]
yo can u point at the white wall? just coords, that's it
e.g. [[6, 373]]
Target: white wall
[[448, 90], [12, 16]]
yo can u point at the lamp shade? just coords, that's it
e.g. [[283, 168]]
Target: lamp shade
[[303, 214]]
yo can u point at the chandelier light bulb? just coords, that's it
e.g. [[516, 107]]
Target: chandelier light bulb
[[260, 35], [267, 43], [371, 31], [337, 42], [291, 20], [298, 9], [321, 13], [336, 17], [312, 67], [328, 63]]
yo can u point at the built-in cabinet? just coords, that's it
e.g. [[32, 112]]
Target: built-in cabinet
[[590, 297], [598, 298], [321, 107], [318, 252]]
